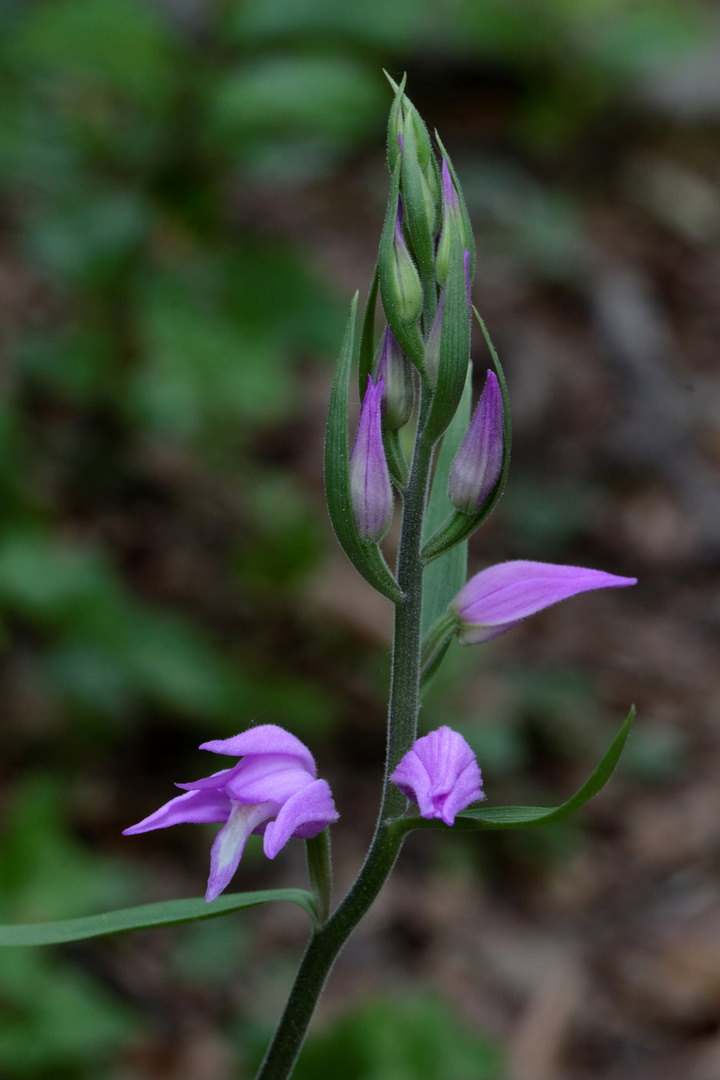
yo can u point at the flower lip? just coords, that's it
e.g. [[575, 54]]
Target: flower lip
[[501, 596]]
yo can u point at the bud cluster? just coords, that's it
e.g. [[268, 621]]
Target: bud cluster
[[425, 268]]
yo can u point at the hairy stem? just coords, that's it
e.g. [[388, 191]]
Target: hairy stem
[[327, 941]]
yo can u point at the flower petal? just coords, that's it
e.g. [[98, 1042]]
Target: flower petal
[[467, 789], [444, 753], [230, 843], [440, 774], [503, 595], [270, 776], [264, 739], [413, 779], [305, 814], [194, 806], [217, 780]]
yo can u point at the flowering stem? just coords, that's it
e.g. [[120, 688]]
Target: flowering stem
[[329, 937]]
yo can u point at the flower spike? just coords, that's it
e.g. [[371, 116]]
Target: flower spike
[[370, 487], [440, 774], [500, 597]]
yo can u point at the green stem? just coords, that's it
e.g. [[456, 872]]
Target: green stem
[[327, 940], [319, 860]]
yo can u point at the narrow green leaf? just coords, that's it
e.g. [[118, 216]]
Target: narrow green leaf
[[366, 558], [454, 346], [406, 334], [459, 526], [444, 578], [522, 817], [146, 917], [367, 336]]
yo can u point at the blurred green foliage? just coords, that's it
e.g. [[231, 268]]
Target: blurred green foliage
[[410, 1036], [55, 1020], [155, 321]]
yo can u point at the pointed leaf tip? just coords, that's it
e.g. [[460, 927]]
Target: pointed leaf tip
[[523, 817]]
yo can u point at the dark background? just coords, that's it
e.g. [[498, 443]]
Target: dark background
[[191, 193]]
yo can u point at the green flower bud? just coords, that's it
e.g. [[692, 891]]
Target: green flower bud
[[452, 218], [395, 370], [405, 279]]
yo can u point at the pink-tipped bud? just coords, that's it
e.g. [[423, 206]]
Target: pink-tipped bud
[[370, 488], [478, 463], [393, 368], [405, 278], [451, 219]]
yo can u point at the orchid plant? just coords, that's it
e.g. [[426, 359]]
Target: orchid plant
[[419, 373]]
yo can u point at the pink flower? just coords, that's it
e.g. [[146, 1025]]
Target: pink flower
[[272, 791], [498, 598], [440, 774]]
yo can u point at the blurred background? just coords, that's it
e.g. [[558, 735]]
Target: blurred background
[[191, 193]]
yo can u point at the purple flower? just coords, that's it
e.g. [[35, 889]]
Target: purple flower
[[273, 791], [498, 598], [370, 488], [440, 774], [395, 370], [478, 463]]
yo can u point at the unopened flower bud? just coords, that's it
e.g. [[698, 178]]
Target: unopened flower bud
[[432, 345], [441, 774], [405, 279], [451, 219], [478, 463], [370, 489], [393, 368], [500, 597], [424, 148]]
